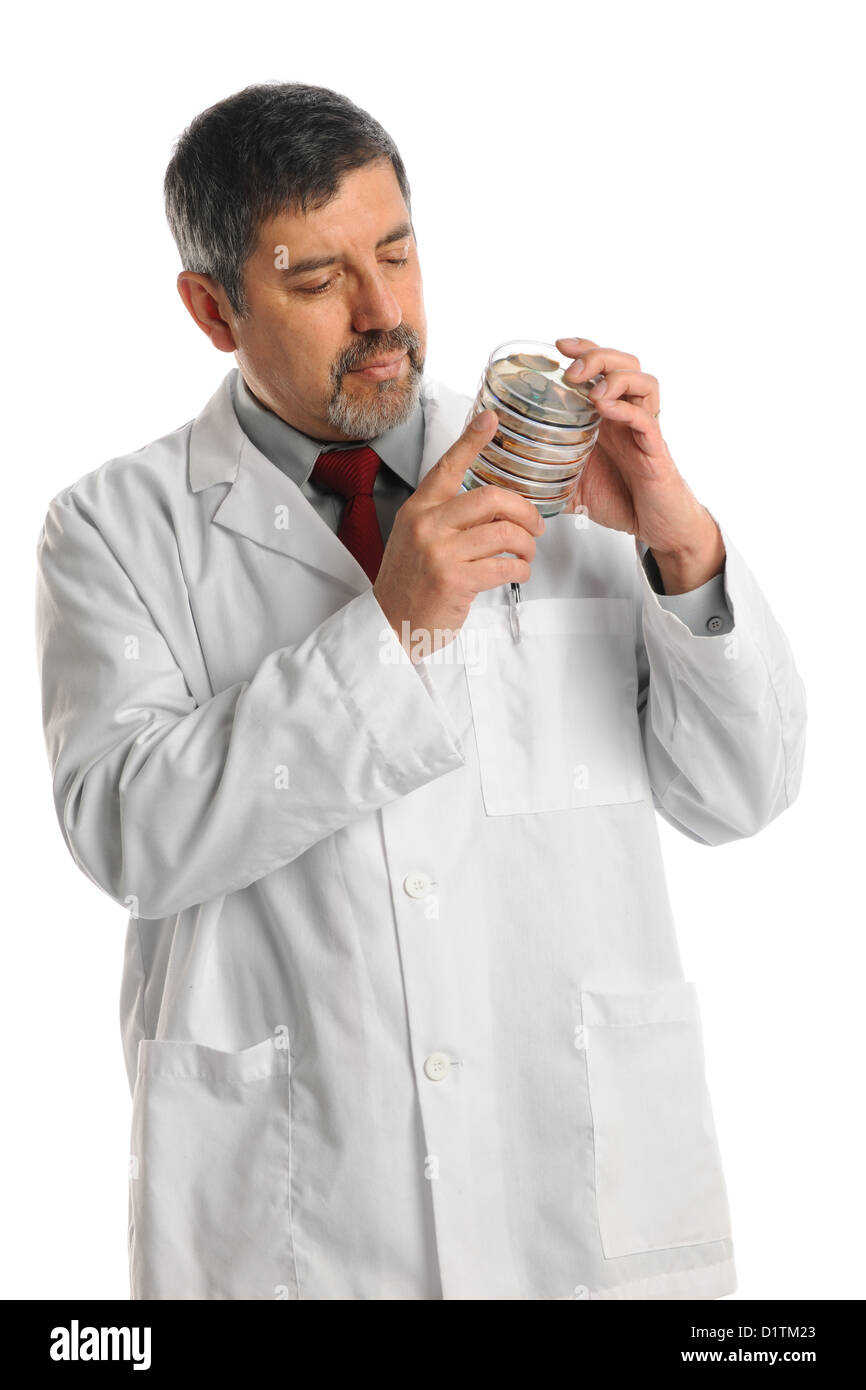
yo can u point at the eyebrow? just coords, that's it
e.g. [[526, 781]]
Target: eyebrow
[[399, 233]]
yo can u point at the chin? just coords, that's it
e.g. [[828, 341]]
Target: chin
[[364, 413]]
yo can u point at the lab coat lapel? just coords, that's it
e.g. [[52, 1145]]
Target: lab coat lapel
[[265, 505], [445, 413], [262, 503]]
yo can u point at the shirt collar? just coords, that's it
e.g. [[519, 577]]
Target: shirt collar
[[295, 453]]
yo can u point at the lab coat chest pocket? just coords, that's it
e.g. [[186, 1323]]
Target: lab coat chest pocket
[[658, 1171], [210, 1214], [555, 714]]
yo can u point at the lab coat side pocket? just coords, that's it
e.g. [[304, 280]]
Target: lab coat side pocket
[[658, 1170], [210, 1172]]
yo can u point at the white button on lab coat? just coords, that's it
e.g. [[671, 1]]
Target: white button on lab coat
[[403, 1010]]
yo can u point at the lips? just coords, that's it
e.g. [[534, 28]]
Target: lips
[[380, 362]]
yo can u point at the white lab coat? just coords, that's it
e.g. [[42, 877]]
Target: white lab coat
[[402, 1008]]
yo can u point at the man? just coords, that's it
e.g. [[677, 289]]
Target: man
[[402, 1007]]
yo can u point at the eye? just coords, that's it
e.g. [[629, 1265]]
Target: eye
[[326, 284], [317, 289]]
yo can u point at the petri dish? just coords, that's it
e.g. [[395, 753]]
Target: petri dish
[[547, 506], [528, 487], [557, 454], [532, 468], [541, 430], [527, 376], [546, 430]]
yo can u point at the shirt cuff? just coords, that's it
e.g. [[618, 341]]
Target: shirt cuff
[[704, 611]]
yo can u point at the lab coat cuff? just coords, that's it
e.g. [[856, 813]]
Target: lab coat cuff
[[705, 616], [704, 610], [723, 655], [388, 699]]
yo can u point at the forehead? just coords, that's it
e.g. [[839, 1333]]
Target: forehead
[[367, 206]]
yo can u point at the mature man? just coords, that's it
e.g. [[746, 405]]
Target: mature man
[[402, 1008]]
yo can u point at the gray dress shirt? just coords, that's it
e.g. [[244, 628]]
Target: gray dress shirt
[[295, 453], [704, 610]]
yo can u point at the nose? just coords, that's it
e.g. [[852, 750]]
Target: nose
[[375, 308]]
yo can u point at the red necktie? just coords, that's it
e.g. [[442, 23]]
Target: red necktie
[[352, 473]]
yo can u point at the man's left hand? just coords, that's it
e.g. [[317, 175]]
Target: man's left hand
[[630, 482]]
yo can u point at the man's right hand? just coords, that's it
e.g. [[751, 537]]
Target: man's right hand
[[445, 546]]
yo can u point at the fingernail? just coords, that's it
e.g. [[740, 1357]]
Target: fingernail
[[599, 390], [576, 368], [481, 421]]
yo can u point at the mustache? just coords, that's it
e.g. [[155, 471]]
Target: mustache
[[402, 339]]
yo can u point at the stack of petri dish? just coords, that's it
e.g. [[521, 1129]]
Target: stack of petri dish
[[547, 427]]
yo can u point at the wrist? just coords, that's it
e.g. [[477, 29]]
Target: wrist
[[689, 566]]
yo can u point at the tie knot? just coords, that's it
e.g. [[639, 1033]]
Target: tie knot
[[351, 472]]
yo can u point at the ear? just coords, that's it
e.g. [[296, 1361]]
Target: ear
[[208, 307]]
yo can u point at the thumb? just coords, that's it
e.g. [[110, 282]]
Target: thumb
[[576, 498], [443, 480]]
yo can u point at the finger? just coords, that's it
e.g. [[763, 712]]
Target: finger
[[645, 429], [627, 382], [499, 569], [598, 359], [573, 347], [488, 503], [445, 477], [574, 503], [491, 538]]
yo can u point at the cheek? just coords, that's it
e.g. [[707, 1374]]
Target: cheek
[[301, 345], [314, 348], [414, 306], [412, 309]]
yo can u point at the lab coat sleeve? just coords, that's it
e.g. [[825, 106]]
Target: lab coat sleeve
[[722, 715], [703, 610], [165, 802]]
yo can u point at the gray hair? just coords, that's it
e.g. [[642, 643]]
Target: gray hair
[[271, 148]]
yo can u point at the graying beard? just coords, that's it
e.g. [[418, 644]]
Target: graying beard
[[366, 419]]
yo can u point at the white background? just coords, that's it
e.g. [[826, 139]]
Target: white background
[[681, 181]]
